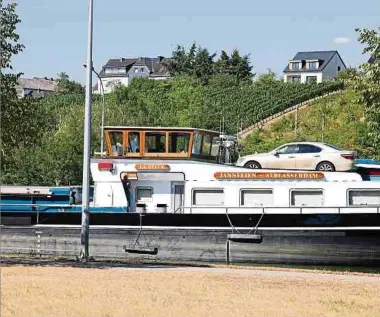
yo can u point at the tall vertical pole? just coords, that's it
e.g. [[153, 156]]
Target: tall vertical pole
[[296, 124], [84, 255], [102, 128]]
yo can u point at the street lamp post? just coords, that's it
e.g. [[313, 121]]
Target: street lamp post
[[84, 254], [103, 106]]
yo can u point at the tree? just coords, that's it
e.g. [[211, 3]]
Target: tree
[[9, 47], [347, 75], [11, 108], [367, 85], [198, 62], [240, 67], [64, 84]]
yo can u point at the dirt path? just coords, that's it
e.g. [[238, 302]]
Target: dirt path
[[184, 291]]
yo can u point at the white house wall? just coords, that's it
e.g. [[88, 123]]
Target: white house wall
[[107, 83], [304, 75]]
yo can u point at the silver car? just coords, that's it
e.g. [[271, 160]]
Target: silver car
[[302, 156]]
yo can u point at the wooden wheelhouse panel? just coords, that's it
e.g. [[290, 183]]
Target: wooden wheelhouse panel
[[171, 143]]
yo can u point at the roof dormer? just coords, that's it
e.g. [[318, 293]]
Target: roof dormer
[[312, 64], [295, 64]]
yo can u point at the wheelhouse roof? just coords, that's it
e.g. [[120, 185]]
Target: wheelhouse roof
[[159, 129]]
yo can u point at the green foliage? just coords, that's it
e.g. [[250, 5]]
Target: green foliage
[[199, 63], [22, 121], [344, 126], [64, 84], [366, 84]]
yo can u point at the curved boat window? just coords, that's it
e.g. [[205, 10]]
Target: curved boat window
[[116, 138], [256, 197], [364, 197], [208, 197], [133, 142], [144, 193], [179, 142], [306, 197], [155, 142]]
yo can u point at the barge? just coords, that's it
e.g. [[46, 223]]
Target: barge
[[179, 180]]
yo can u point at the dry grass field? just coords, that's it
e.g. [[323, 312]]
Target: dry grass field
[[39, 291]]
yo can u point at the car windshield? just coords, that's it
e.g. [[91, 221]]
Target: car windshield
[[334, 147]]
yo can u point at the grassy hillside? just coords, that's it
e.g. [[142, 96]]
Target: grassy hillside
[[336, 119]]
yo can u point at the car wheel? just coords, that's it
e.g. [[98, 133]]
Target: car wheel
[[326, 167], [252, 164]]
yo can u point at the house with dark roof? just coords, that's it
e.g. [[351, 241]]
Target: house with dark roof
[[316, 66], [121, 71], [35, 87]]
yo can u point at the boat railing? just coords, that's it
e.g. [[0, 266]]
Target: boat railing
[[305, 210]]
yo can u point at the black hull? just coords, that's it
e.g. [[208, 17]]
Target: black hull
[[277, 221], [309, 247]]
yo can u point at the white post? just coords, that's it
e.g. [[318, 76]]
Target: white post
[[84, 254]]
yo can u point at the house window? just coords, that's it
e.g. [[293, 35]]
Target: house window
[[312, 65], [142, 69], [311, 79], [294, 79], [208, 197], [339, 68], [364, 197], [256, 197], [306, 197], [155, 142], [295, 66], [136, 70], [179, 142], [144, 194]]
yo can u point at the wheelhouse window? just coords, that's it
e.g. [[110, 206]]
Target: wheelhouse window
[[197, 143], [215, 147], [364, 197], [306, 197], [256, 197], [144, 194], [116, 138], [206, 145], [208, 197], [179, 142], [133, 142], [155, 142]]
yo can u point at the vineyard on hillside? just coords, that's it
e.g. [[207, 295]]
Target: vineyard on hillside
[[259, 101], [337, 119]]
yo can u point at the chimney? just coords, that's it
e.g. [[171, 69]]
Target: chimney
[[121, 59], [160, 58]]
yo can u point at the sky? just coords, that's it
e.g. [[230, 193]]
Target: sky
[[54, 32]]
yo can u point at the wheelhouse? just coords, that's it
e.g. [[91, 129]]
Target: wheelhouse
[[158, 142]]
